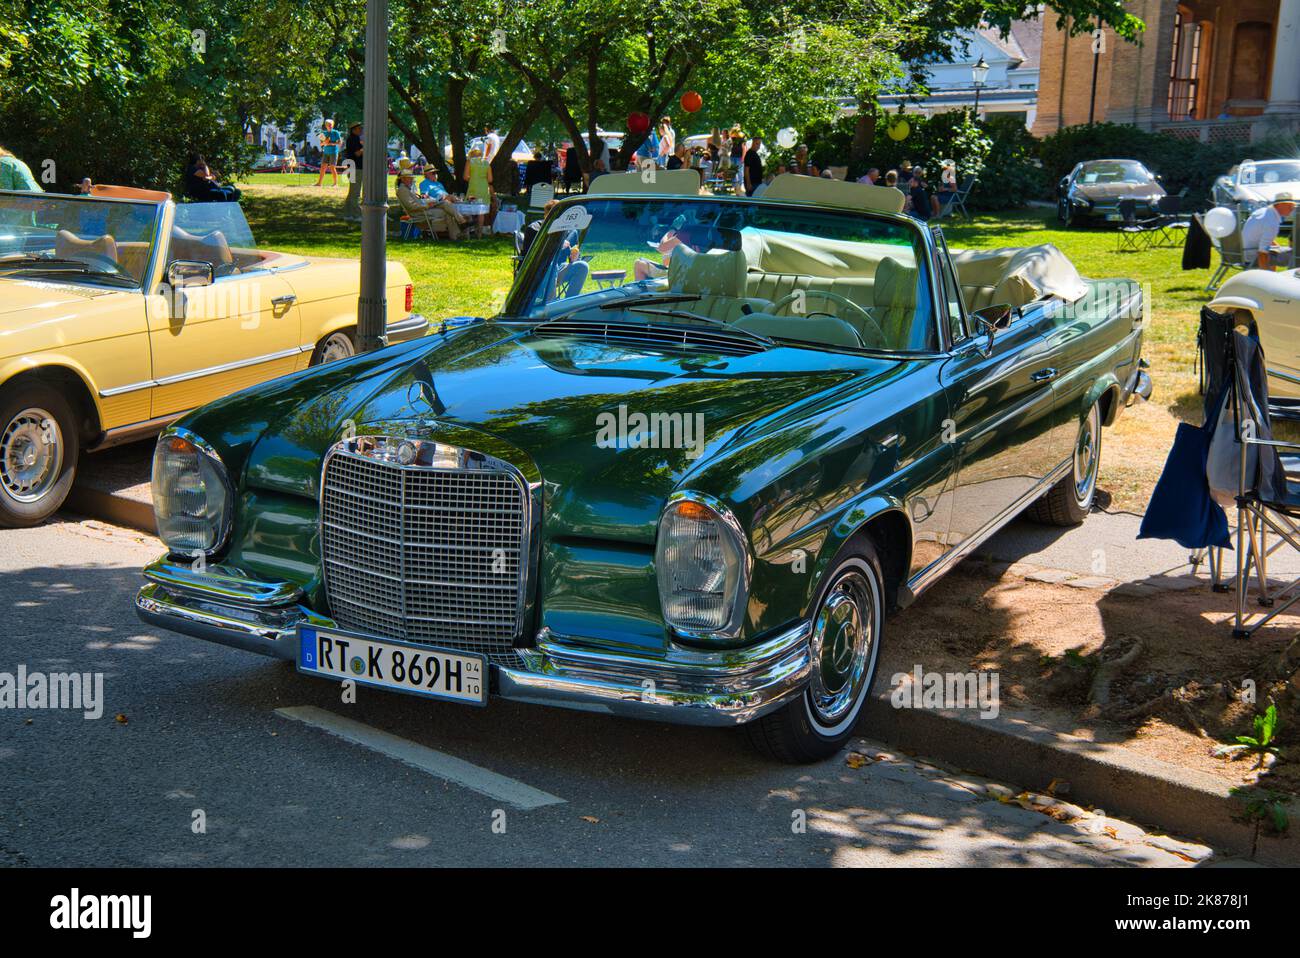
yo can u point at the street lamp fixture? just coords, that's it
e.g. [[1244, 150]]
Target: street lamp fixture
[[979, 73]]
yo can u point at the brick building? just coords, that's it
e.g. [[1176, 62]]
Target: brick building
[[1211, 70]]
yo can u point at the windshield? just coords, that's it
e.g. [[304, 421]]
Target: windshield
[[807, 276], [76, 239], [1272, 171], [1114, 171]]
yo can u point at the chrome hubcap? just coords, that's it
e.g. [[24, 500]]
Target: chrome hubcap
[[337, 346], [1087, 456], [31, 455], [842, 645]]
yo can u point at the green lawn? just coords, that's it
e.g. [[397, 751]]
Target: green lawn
[[290, 213]]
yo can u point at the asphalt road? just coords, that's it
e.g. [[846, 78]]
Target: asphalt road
[[192, 734]]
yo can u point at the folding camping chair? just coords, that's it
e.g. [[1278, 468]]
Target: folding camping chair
[[1171, 222], [1214, 364], [1268, 485], [1134, 234], [1231, 256]]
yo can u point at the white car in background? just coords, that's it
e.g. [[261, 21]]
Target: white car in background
[[1254, 183]]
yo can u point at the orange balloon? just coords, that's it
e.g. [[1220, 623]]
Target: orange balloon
[[691, 101]]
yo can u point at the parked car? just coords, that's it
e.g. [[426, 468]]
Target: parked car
[[1272, 300], [688, 491], [1254, 183], [1093, 190], [121, 310]]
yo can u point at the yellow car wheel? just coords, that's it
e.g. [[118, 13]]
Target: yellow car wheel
[[39, 446]]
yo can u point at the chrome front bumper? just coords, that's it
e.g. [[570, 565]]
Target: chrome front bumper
[[686, 686]]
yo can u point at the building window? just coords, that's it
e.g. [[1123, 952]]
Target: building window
[[1185, 67]]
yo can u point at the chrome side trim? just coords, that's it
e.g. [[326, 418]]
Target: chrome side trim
[[936, 569], [200, 373]]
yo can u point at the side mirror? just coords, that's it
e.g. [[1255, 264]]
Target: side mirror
[[1064, 184], [186, 272], [990, 319]]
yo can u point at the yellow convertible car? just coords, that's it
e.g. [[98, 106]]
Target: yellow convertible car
[[122, 310]]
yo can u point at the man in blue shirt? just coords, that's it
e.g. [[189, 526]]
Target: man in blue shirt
[[430, 188]]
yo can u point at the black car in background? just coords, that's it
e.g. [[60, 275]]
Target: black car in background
[[1094, 188]]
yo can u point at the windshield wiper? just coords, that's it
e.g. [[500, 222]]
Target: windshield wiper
[[683, 314], [57, 266], [648, 300]]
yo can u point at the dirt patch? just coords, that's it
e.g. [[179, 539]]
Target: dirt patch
[[1159, 675]]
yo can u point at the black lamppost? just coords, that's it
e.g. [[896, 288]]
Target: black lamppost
[[979, 73], [372, 305]]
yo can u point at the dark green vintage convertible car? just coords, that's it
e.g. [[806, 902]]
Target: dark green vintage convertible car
[[706, 448]]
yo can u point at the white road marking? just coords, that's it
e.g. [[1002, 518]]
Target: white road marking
[[436, 763]]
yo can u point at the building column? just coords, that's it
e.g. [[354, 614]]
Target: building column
[[1284, 86]]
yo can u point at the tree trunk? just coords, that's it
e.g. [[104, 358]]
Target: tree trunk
[[504, 169], [456, 130], [864, 136], [593, 72]]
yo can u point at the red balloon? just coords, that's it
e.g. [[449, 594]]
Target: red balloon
[[691, 101], [638, 122]]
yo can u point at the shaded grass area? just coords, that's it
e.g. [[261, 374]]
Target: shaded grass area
[[290, 213]]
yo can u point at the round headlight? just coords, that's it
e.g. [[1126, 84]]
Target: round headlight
[[703, 566], [192, 497]]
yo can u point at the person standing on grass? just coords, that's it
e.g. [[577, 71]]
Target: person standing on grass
[[753, 166], [353, 153], [290, 159], [925, 205], [478, 174], [15, 174], [331, 142]]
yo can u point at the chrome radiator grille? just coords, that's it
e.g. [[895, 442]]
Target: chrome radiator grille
[[426, 553]]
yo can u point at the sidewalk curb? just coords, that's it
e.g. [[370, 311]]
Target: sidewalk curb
[[1185, 802], [107, 507]]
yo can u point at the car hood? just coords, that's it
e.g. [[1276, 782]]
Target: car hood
[[1265, 192], [579, 411], [43, 298]]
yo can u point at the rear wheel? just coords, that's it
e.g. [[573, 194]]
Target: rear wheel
[[338, 345], [845, 646], [39, 445], [1070, 500]]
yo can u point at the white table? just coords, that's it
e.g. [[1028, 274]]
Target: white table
[[508, 221]]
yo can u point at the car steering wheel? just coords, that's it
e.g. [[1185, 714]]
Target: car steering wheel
[[789, 298]]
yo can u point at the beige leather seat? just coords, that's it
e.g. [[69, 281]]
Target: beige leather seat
[[895, 306], [212, 248], [717, 277], [67, 245]]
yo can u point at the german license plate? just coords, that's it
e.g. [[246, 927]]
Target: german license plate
[[400, 666], [1114, 217]]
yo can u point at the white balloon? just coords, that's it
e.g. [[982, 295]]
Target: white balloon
[[787, 137], [1220, 222]]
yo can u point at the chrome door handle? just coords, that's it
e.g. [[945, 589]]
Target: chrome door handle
[[1043, 375], [286, 300]]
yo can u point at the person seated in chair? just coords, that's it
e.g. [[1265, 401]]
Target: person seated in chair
[[1259, 233], [435, 194], [202, 185], [415, 204]]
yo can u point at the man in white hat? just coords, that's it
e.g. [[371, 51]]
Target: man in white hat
[[1259, 233]]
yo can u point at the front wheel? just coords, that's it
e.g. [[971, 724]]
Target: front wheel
[[845, 645], [39, 445], [1070, 500]]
